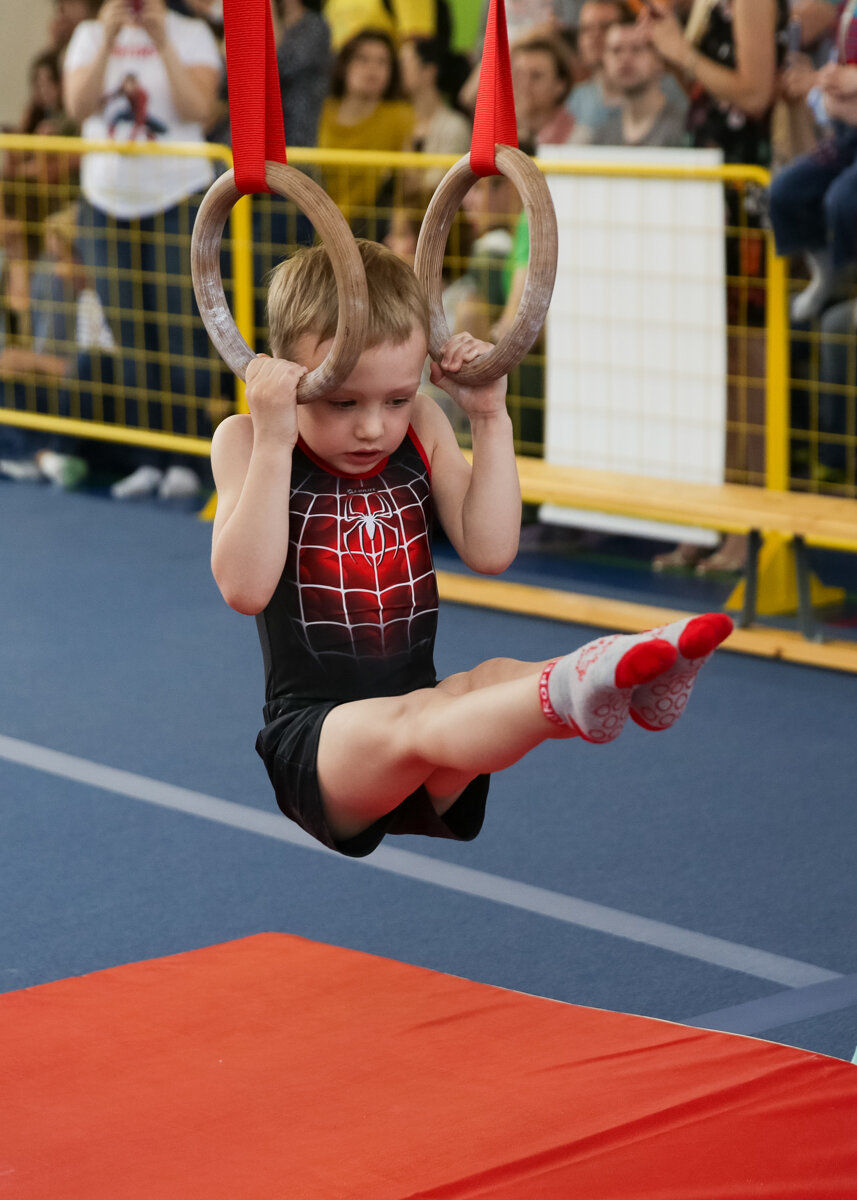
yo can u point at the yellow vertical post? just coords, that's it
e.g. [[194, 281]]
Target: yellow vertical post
[[777, 421], [776, 591], [241, 231]]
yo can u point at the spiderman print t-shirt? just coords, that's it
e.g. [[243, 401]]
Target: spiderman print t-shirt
[[355, 611]]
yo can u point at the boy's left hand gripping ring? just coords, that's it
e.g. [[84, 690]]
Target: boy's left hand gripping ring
[[345, 259]]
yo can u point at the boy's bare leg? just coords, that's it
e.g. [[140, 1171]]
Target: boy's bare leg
[[373, 753]]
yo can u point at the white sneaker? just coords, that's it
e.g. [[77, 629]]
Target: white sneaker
[[808, 304], [143, 482], [24, 470], [65, 470], [178, 483]]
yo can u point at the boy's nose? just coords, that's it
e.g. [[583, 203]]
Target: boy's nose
[[370, 425]]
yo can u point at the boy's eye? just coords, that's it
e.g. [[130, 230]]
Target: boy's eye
[[341, 404], [399, 401]]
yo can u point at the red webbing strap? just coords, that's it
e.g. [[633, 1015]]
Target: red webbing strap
[[255, 103], [494, 119]]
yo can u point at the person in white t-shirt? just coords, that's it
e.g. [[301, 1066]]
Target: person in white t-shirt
[[143, 73]]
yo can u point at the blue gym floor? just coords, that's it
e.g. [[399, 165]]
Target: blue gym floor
[[706, 874]]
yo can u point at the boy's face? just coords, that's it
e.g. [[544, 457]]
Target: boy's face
[[356, 427]]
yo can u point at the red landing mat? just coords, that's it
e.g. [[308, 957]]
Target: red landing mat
[[275, 1068]]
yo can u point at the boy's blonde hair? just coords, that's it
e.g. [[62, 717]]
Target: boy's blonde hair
[[302, 298]]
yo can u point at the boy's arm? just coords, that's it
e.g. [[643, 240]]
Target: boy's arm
[[251, 459], [479, 507]]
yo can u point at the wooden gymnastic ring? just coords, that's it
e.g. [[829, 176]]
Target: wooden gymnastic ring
[[538, 289], [348, 342]]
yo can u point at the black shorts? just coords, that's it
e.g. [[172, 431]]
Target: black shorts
[[288, 746]]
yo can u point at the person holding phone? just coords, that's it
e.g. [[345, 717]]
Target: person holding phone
[[141, 72]]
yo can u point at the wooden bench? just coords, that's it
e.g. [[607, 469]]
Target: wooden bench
[[775, 522], [804, 519]]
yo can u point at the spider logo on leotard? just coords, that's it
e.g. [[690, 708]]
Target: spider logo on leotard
[[368, 526]]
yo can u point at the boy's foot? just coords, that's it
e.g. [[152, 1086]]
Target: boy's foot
[[591, 689], [659, 703]]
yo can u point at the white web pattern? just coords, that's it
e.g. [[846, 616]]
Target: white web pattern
[[404, 596]]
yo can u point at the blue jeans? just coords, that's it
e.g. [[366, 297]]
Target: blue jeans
[[838, 366], [813, 201], [141, 270]]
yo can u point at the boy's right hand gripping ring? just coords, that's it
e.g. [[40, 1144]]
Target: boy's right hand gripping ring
[[541, 272], [345, 259]]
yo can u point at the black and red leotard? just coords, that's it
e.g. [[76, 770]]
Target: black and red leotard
[[354, 615], [355, 611]]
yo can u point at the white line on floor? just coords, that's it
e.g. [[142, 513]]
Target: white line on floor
[[712, 950], [783, 1008]]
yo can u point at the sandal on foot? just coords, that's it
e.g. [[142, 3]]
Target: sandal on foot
[[684, 555]]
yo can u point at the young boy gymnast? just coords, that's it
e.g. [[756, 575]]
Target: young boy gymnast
[[323, 532]]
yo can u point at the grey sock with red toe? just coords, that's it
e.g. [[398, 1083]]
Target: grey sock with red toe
[[590, 690], [658, 704]]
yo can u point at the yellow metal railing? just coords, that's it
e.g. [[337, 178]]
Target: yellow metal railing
[[246, 290], [62, 190]]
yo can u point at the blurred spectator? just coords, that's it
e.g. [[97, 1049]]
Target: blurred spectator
[[36, 182], [14, 275], [534, 18], [818, 20], [43, 115], [66, 317], [210, 11], [796, 121], [365, 112], [65, 311], [400, 19], [594, 100], [837, 378], [138, 211], [303, 62], [542, 80], [44, 112], [813, 201], [475, 301], [728, 53], [67, 15], [635, 69], [524, 19], [438, 128]]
